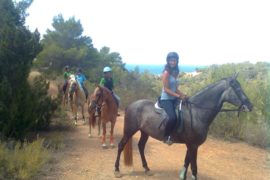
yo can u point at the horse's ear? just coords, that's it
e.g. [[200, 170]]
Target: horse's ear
[[235, 75]]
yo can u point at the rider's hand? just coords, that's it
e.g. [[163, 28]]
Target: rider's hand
[[184, 98]]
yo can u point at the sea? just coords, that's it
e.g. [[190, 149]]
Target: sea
[[157, 69]]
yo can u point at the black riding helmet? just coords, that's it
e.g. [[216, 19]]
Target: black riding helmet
[[172, 55]]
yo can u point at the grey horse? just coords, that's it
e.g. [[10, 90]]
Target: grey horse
[[198, 113]]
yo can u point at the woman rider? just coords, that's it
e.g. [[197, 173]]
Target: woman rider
[[170, 93]]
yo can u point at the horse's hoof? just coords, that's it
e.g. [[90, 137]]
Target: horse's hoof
[[75, 123], [89, 135], [117, 174], [104, 146], [193, 177], [182, 174], [112, 145], [149, 173]]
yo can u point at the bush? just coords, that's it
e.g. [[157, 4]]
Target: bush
[[44, 104], [30, 110]]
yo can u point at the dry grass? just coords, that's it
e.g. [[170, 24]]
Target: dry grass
[[24, 161]]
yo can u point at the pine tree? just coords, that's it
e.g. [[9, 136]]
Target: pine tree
[[18, 48]]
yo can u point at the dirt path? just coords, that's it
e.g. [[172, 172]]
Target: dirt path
[[83, 158]]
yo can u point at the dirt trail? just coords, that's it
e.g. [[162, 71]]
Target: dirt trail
[[83, 158]]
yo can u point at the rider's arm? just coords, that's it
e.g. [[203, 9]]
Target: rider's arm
[[180, 94], [102, 82]]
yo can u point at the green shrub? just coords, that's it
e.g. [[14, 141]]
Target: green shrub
[[44, 104], [257, 134], [23, 108]]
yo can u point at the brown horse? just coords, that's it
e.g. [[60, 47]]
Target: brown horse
[[197, 115], [77, 98], [103, 99]]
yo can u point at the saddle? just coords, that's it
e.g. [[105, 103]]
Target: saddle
[[164, 116]]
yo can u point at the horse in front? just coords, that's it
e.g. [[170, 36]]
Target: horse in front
[[197, 115]]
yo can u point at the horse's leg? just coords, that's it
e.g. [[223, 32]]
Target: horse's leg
[[63, 97], [103, 138], [91, 121], [191, 158], [90, 124], [99, 125], [71, 106], [63, 100], [111, 133], [141, 145], [75, 114], [121, 146], [83, 114], [72, 109], [183, 172], [124, 143], [193, 161]]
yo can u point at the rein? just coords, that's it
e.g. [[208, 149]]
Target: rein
[[216, 109]]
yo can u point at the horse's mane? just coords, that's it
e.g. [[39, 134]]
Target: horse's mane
[[210, 86], [103, 88], [106, 89]]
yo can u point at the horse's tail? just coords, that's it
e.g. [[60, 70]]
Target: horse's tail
[[128, 155], [91, 112], [92, 117], [92, 120]]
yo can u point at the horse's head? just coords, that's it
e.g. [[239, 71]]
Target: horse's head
[[97, 97], [236, 96], [72, 84], [72, 81]]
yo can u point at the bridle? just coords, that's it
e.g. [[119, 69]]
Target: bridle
[[236, 90], [97, 102]]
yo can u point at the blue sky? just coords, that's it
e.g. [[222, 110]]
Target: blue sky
[[144, 31]]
